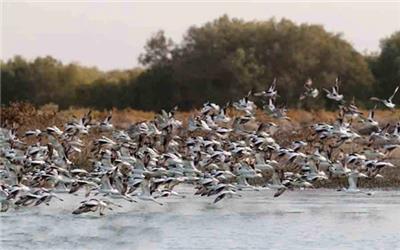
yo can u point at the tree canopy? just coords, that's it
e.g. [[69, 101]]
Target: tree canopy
[[219, 61], [226, 58], [386, 66]]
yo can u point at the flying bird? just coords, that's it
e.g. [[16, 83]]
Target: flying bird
[[334, 94], [309, 90], [387, 102]]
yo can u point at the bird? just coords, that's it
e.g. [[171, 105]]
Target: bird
[[219, 152], [224, 194], [334, 94], [5, 204], [352, 178], [309, 90], [387, 102], [144, 193], [106, 124], [271, 92], [92, 205]]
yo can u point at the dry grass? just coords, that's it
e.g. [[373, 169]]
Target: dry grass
[[26, 116]]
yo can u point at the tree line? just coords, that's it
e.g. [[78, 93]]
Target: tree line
[[219, 61]]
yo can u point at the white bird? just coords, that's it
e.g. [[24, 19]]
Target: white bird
[[92, 205], [271, 92], [352, 178], [387, 102], [334, 94], [106, 124], [145, 192], [309, 90]]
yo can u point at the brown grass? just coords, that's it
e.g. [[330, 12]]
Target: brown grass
[[26, 116]]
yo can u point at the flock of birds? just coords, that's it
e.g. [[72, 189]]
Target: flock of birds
[[219, 155]]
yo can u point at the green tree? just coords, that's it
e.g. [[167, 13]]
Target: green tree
[[219, 61], [157, 50], [43, 80], [386, 66], [224, 59], [14, 84]]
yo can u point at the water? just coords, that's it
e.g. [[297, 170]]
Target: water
[[310, 219]]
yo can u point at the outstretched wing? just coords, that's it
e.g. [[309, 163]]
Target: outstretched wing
[[352, 182], [219, 197], [336, 87], [371, 113], [375, 99], [86, 119], [394, 93], [273, 86], [279, 192], [249, 93], [108, 118]]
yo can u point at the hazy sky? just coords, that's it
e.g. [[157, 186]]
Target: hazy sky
[[112, 35]]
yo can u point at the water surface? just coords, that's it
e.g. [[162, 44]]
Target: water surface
[[309, 219]]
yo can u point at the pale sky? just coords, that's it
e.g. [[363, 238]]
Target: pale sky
[[112, 35]]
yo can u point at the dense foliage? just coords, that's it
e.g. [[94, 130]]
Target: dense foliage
[[219, 61], [386, 66]]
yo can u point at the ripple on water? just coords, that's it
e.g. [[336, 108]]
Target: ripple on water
[[296, 220]]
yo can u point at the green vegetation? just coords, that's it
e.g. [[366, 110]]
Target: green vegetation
[[219, 61], [386, 66]]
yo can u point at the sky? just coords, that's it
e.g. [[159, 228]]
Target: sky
[[111, 35]]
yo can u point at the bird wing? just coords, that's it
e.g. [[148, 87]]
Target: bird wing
[[375, 99], [335, 89], [219, 197], [337, 82], [394, 93], [273, 86], [279, 192], [371, 113], [108, 118], [271, 105], [352, 182]]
